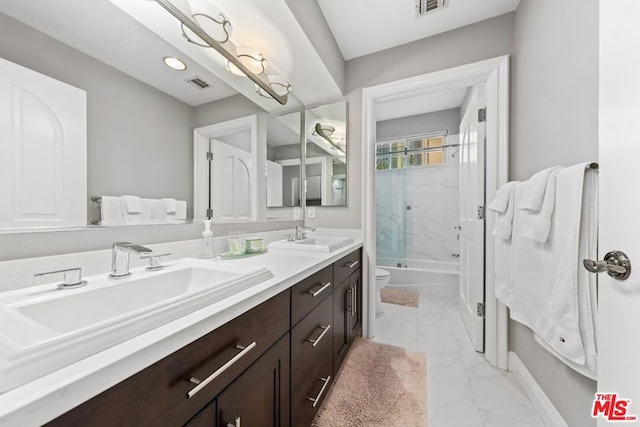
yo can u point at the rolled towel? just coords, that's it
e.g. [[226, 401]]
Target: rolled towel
[[533, 196], [169, 206], [501, 201], [132, 204]]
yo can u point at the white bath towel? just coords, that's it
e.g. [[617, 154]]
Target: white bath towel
[[146, 210], [533, 196], [169, 206], [536, 225], [500, 203], [181, 210], [504, 221], [111, 211], [540, 281], [587, 282]]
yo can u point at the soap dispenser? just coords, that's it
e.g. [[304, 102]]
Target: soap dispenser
[[207, 250]]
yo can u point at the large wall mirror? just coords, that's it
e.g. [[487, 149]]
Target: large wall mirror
[[284, 159], [326, 155]]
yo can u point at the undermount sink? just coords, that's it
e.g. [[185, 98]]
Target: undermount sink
[[44, 329], [315, 243]]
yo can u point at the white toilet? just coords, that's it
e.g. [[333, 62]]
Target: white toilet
[[382, 280]]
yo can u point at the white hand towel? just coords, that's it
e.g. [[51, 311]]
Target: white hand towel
[[111, 211], [169, 206], [533, 196], [536, 225], [131, 209], [501, 201], [504, 222], [146, 210], [132, 204], [181, 210]]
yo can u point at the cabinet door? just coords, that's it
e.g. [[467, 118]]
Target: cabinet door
[[355, 315], [260, 396], [342, 322], [206, 417]]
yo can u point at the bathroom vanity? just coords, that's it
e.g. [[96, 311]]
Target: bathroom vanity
[[272, 365]]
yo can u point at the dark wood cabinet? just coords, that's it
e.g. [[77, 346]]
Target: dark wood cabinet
[[270, 367], [347, 306]]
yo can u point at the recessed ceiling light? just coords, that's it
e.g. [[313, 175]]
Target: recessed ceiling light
[[174, 63]]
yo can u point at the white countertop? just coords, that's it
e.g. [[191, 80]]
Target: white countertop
[[50, 396]]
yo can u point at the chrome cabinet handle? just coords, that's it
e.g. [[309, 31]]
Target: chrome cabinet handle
[[615, 263], [352, 264], [319, 291], [316, 399], [350, 309], [72, 277], [324, 332], [200, 384], [355, 299], [236, 424]]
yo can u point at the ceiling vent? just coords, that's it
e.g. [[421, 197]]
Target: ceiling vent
[[198, 83], [425, 7]]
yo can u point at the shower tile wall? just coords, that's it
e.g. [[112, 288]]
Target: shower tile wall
[[417, 210]]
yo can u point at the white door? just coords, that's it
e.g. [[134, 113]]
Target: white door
[[231, 195], [43, 150], [619, 157], [472, 183]]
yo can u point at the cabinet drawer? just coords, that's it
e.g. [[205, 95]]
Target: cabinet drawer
[[314, 388], [309, 339], [159, 393], [309, 293], [345, 266]]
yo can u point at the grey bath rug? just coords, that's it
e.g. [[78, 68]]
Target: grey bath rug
[[378, 386], [399, 297]]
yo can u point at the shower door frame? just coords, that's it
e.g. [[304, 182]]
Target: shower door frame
[[494, 73]]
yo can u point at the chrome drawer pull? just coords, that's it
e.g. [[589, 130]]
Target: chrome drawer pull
[[352, 264], [317, 340], [236, 424], [317, 398], [200, 384], [316, 293]]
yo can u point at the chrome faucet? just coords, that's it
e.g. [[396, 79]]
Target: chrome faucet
[[301, 232], [120, 258]]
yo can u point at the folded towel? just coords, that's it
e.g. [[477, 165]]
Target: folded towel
[[536, 225], [132, 204], [146, 209], [181, 210], [533, 196], [111, 210], [504, 221], [501, 201], [169, 206]]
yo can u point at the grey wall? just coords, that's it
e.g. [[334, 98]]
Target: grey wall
[[487, 39], [310, 17], [554, 120], [139, 140], [229, 108], [421, 123]]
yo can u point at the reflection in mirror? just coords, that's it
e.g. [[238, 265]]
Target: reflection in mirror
[[326, 155], [283, 160]]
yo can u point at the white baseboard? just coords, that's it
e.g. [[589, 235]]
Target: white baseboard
[[548, 412]]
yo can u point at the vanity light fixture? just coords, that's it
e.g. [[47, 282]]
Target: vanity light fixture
[[174, 63], [250, 58], [195, 29], [279, 84], [326, 132]]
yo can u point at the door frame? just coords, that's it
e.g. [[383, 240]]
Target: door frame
[[494, 73]]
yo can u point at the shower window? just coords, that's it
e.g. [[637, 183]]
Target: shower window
[[426, 150]]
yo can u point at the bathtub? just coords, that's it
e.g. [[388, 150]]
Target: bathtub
[[426, 277]]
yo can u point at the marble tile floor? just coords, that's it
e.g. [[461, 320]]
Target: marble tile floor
[[463, 390]]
